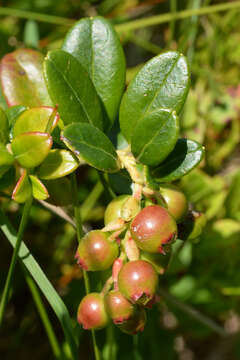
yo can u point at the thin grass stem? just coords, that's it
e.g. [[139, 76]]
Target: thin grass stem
[[8, 283]]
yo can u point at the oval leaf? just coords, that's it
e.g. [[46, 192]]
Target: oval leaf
[[23, 189], [155, 137], [57, 164], [35, 119], [30, 149], [95, 44], [39, 191], [71, 88], [162, 83], [184, 157], [91, 145], [4, 128], [5, 157], [22, 78]]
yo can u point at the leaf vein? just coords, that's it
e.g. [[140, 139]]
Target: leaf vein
[[73, 91], [91, 146]]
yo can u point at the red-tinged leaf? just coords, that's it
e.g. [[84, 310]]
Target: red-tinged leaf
[[22, 78], [38, 189], [23, 189], [35, 119]]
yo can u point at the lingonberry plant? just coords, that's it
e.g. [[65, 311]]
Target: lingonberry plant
[[61, 113]]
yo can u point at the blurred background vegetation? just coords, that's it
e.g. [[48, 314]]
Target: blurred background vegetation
[[203, 275]]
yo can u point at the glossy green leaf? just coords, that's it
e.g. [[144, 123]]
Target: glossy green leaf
[[22, 78], [120, 182], [23, 189], [5, 157], [91, 145], [35, 119], [71, 88], [185, 156], [4, 128], [95, 44], [155, 137], [57, 164], [162, 83], [39, 191], [30, 149]]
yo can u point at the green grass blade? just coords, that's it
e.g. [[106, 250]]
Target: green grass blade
[[43, 283], [43, 315], [19, 236], [164, 18]]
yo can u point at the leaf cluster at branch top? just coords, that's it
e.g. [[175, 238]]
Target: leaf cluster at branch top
[[85, 82]]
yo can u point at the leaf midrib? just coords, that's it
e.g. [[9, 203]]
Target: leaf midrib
[[152, 139], [72, 89], [90, 145], [159, 89]]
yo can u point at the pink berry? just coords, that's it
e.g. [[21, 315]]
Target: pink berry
[[137, 281], [153, 228], [96, 252], [118, 307], [91, 312]]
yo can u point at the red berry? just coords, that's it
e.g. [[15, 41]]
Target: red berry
[[137, 281], [95, 252], [118, 307], [176, 201], [91, 312], [153, 228], [134, 324]]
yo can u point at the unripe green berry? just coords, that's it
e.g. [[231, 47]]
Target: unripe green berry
[[123, 206], [137, 281], [92, 313], [113, 210], [134, 324], [153, 228], [176, 201], [96, 252], [192, 226], [118, 307]]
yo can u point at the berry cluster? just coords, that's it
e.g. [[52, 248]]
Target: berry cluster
[[138, 233]]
